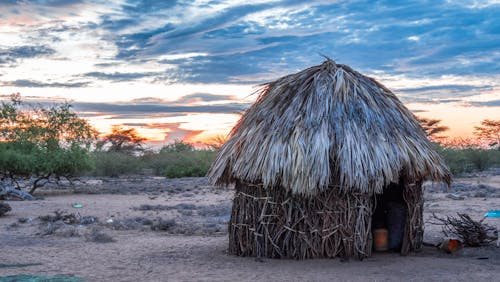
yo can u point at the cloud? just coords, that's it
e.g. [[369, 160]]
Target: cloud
[[444, 93], [133, 115], [164, 39], [174, 132], [14, 54], [477, 4], [187, 100], [245, 42], [31, 15], [120, 76], [493, 103], [203, 97], [448, 87], [147, 100], [148, 109], [136, 124], [418, 111], [234, 68], [38, 84], [40, 2], [141, 8]]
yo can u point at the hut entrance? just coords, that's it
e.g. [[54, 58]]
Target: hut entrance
[[389, 218]]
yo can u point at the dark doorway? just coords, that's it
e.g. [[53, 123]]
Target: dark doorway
[[390, 214]]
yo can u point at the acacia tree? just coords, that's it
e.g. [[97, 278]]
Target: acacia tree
[[123, 140], [41, 142], [432, 127], [216, 142], [489, 131]]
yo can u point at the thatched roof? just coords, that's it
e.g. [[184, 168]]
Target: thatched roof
[[326, 126]]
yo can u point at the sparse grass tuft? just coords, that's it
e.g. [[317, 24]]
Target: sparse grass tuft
[[97, 235], [160, 224]]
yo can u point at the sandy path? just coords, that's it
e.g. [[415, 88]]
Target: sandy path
[[152, 257], [157, 256]]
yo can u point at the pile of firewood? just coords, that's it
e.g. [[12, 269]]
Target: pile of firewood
[[472, 233]]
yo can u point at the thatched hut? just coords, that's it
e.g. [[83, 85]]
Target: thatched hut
[[313, 158]]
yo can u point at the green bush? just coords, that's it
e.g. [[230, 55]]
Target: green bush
[[480, 159], [469, 159], [71, 161], [179, 160], [19, 159], [42, 142], [175, 160], [186, 164], [115, 164]]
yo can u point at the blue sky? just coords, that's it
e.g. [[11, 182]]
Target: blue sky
[[177, 69]]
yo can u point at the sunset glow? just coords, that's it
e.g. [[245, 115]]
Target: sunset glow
[[188, 69]]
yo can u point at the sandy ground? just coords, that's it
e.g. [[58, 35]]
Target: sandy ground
[[174, 230]]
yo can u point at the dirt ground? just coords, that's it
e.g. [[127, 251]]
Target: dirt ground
[[155, 229]]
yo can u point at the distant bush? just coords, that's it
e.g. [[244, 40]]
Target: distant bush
[[186, 164], [115, 164], [469, 159], [176, 160], [482, 159], [179, 160]]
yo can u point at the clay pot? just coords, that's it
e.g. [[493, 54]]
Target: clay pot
[[450, 245], [381, 239]]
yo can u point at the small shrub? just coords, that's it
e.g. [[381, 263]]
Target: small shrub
[[50, 228], [68, 218], [129, 223], [24, 220], [62, 224], [4, 208], [163, 225], [96, 235], [68, 231]]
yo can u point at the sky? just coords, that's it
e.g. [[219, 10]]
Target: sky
[[188, 69]]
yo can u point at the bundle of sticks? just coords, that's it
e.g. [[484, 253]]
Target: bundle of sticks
[[472, 233]]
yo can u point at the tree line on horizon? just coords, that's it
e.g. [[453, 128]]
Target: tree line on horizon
[[47, 144], [487, 133]]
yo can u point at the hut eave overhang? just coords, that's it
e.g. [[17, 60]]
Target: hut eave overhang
[[327, 127]]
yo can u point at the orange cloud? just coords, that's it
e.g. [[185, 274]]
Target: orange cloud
[[174, 132]]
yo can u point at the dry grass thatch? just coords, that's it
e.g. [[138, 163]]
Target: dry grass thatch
[[327, 126]]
